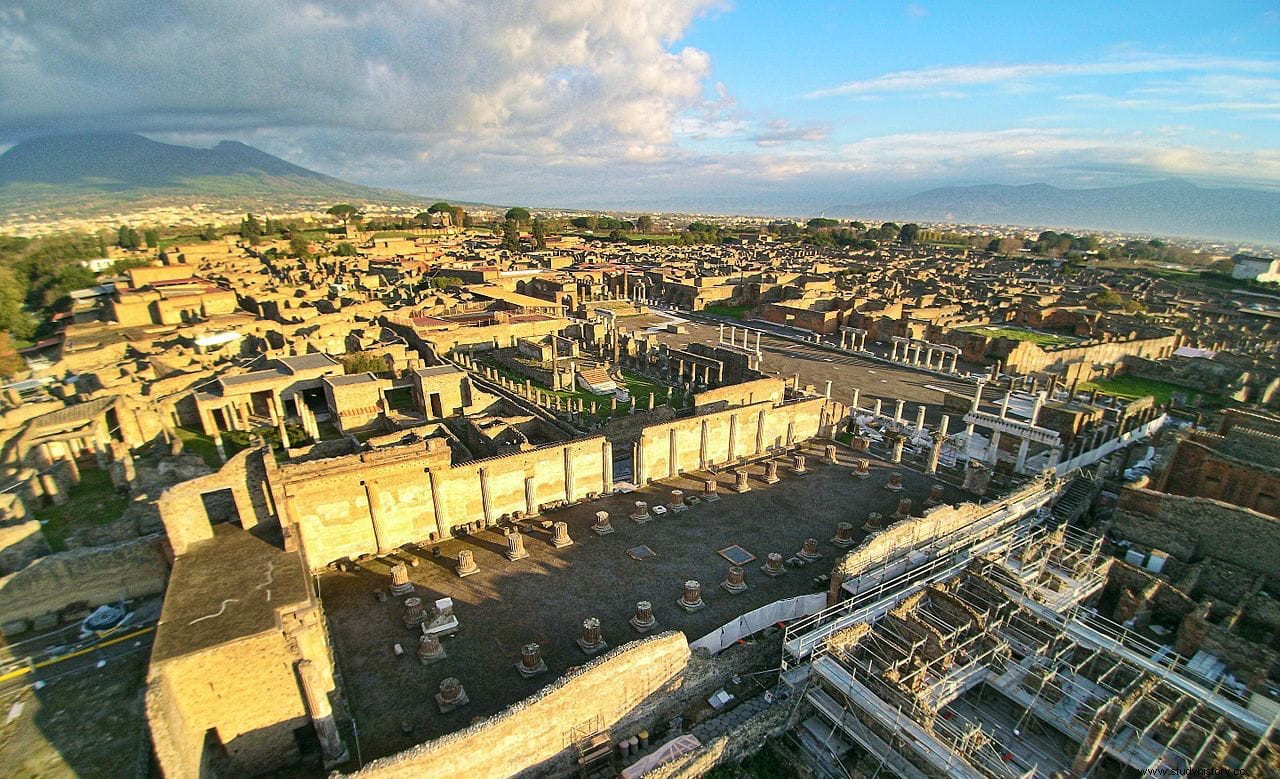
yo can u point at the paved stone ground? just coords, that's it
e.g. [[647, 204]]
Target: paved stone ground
[[545, 597], [845, 371]]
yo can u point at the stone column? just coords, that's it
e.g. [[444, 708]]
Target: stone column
[[451, 695], [898, 443], [895, 482], [466, 563], [691, 600], [977, 395], [515, 546], [643, 620], [400, 584], [903, 511], [569, 492], [862, 469], [602, 526], [853, 407], [797, 464], [829, 454], [531, 663], [993, 450], [606, 467], [560, 535], [771, 472], [773, 565], [591, 641], [897, 411], [734, 581], [844, 536], [1004, 404], [430, 650], [741, 483], [321, 712], [935, 496], [1022, 455], [809, 551], [641, 514]]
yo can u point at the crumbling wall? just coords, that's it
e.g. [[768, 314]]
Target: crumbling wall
[[769, 390], [538, 728], [1195, 528], [94, 576], [182, 508]]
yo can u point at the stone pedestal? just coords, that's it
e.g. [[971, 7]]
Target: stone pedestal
[[862, 469], [591, 641], [797, 464], [451, 695], [844, 536], [466, 563], [874, 522], [935, 496], [641, 514], [809, 552], [602, 526], [735, 580], [709, 487], [531, 663], [829, 454], [977, 477], [400, 584], [560, 535], [414, 613], [740, 483], [442, 622], [515, 546], [677, 501], [691, 600], [895, 482], [773, 565], [903, 511], [643, 620], [771, 472], [430, 650]]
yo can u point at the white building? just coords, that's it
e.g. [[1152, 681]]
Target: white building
[[1256, 268]]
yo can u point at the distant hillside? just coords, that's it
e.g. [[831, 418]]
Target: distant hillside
[[92, 172], [1163, 207]]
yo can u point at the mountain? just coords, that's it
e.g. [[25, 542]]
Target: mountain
[[92, 172], [1170, 207]]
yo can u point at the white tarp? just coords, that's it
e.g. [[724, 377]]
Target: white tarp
[[680, 745], [753, 621]]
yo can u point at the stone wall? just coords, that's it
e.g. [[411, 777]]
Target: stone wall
[[84, 576], [1200, 468], [1195, 528], [600, 695], [183, 509], [724, 437], [358, 504], [744, 394]]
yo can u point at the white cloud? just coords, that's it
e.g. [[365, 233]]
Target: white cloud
[[940, 78]]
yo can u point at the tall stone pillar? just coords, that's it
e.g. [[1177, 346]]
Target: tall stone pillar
[[321, 712]]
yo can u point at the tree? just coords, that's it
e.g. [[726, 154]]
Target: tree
[[888, 231], [539, 234], [459, 215], [1107, 299], [363, 362], [128, 238], [909, 232], [346, 212], [344, 249], [152, 238], [440, 207], [645, 223], [299, 246], [444, 282], [511, 235], [13, 317], [818, 223], [250, 228], [518, 215], [209, 233], [1005, 246]]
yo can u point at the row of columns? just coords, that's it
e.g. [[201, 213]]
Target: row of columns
[[733, 339], [853, 338], [922, 354]]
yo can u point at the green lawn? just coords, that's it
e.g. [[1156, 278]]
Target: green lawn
[[94, 501], [733, 312], [1047, 340], [198, 443], [1135, 387]]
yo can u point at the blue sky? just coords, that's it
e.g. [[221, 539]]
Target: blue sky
[[670, 104]]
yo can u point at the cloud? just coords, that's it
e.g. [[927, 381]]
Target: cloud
[[780, 132], [950, 77], [563, 81], [917, 11]]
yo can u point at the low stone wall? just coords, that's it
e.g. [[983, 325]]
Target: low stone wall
[[536, 730], [132, 569]]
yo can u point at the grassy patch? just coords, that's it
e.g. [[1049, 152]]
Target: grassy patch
[[392, 234], [1135, 387], [1047, 340], [201, 444], [733, 312], [94, 501], [638, 386]]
